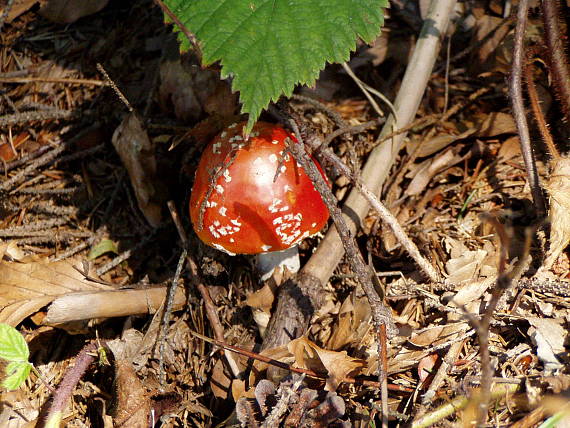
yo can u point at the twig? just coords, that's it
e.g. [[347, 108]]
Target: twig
[[50, 157], [555, 42], [115, 88], [75, 249], [71, 81], [385, 326], [5, 167], [169, 301], [31, 116], [43, 160], [108, 304], [355, 129], [333, 114], [515, 92], [504, 282], [324, 260], [32, 227], [367, 90], [190, 36], [292, 368], [388, 218], [196, 278], [125, 255]]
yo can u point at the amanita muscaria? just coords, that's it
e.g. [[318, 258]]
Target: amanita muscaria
[[242, 204]]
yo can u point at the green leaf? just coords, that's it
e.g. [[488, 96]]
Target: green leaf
[[269, 46], [16, 373], [13, 347], [105, 246]]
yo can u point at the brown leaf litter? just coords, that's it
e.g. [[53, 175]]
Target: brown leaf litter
[[65, 188]]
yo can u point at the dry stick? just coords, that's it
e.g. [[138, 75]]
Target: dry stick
[[196, 278], [375, 202], [538, 114], [125, 255], [30, 116], [291, 367], [72, 81], [7, 166], [366, 90], [115, 88], [190, 36], [555, 42], [108, 304], [351, 129], [169, 301], [333, 114], [322, 264], [47, 159], [387, 217], [299, 298], [380, 314], [515, 93], [504, 282]]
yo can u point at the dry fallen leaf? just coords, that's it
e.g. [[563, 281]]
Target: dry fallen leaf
[[549, 337], [261, 302], [27, 286], [433, 166], [137, 154], [337, 365], [426, 366], [353, 322], [133, 402], [558, 187], [438, 335], [176, 91]]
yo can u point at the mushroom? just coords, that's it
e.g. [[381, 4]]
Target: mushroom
[[251, 197]]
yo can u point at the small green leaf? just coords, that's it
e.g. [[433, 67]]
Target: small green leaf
[[16, 373], [269, 46], [105, 246], [13, 347]]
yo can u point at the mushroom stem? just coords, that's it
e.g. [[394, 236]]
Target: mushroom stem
[[266, 263]]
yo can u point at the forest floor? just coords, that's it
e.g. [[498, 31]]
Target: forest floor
[[83, 261]]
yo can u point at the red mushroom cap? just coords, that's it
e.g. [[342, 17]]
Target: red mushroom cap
[[246, 212]]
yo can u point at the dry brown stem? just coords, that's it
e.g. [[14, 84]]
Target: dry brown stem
[[537, 112], [515, 93], [557, 53]]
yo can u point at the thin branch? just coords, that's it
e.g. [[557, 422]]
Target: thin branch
[[557, 53], [377, 168], [538, 114], [515, 93], [65, 80], [31, 116], [382, 317], [387, 217], [190, 36], [198, 283]]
